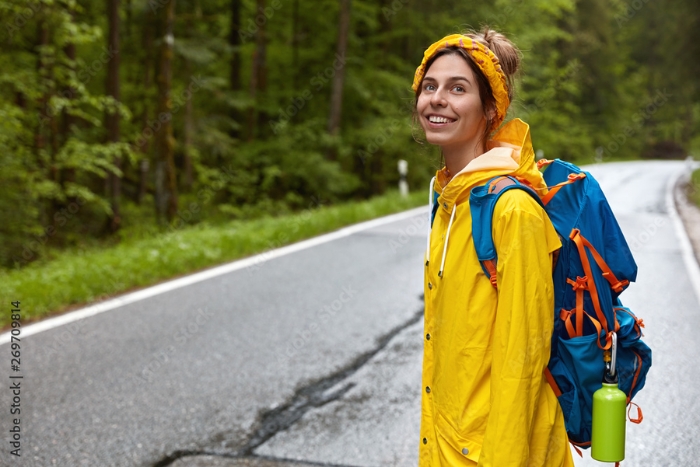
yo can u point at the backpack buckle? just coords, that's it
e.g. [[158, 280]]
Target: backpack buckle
[[618, 286], [581, 283]]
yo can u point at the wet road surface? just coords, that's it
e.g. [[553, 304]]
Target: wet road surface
[[313, 358]]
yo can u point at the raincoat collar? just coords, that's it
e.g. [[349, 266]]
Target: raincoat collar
[[509, 153]]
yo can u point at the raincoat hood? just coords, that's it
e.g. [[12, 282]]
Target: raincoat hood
[[509, 153]]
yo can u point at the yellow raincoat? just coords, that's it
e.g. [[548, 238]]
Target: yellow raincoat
[[485, 399]]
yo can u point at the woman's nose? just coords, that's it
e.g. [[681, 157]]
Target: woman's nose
[[438, 98]]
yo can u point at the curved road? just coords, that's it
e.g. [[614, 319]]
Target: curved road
[[311, 355]]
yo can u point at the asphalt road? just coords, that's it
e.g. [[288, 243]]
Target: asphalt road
[[314, 357]]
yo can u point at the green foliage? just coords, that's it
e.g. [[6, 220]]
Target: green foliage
[[51, 151], [596, 76], [694, 187]]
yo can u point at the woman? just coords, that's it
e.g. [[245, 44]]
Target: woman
[[485, 399]]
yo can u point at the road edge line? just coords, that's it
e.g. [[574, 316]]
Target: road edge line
[[172, 284]]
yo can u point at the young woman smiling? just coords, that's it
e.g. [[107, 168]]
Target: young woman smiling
[[486, 400]]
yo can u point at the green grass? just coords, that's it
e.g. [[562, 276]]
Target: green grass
[[75, 278], [694, 188]]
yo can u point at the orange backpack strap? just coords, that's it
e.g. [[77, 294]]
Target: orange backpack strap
[[615, 284], [640, 415], [495, 186], [490, 266], [552, 383], [543, 163], [579, 241], [576, 445], [553, 190], [565, 315], [579, 285], [638, 322]]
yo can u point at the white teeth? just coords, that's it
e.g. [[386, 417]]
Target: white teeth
[[436, 119]]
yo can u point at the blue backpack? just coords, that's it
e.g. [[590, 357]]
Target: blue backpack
[[592, 268]]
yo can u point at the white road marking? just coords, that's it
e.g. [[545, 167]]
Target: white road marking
[[164, 287]]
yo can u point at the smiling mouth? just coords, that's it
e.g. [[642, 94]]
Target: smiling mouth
[[439, 119]]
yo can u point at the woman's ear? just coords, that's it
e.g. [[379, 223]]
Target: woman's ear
[[491, 113]]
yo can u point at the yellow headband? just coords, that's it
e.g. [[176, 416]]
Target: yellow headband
[[487, 62]]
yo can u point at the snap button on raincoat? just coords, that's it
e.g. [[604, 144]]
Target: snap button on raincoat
[[489, 403]]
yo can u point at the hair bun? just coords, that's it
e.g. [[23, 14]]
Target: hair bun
[[507, 53]]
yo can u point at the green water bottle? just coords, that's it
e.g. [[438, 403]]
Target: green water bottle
[[609, 417]]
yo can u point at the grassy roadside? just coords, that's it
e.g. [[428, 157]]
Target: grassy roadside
[[694, 188], [78, 278]]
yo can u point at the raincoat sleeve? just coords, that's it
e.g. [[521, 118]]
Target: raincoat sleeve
[[525, 241]]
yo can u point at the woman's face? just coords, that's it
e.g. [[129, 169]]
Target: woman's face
[[449, 106]]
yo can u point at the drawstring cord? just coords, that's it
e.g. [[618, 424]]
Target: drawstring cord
[[430, 230], [447, 237], [430, 219]]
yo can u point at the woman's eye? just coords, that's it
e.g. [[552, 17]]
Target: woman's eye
[[429, 87], [458, 88]]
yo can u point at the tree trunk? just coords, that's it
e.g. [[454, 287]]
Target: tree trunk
[[295, 45], [68, 174], [188, 130], [165, 142], [68, 93], [129, 12], [385, 26], [53, 120], [42, 106], [20, 100], [234, 40], [48, 125], [337, 88], [144, 142], [112, 119], [258, 77]]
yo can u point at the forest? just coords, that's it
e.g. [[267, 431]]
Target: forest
[[127, 118]]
